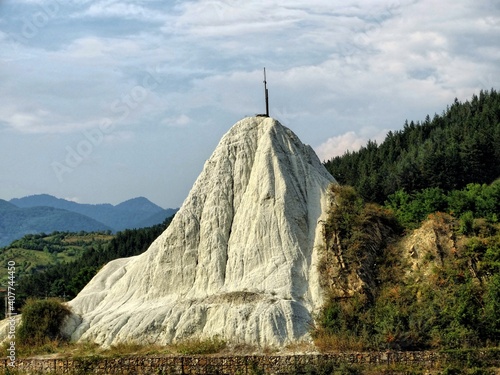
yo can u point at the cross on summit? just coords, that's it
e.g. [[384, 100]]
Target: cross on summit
[[266, 95]]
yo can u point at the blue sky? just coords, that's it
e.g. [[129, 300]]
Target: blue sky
[[106, 100]]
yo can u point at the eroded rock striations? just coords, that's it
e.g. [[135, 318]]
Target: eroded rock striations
[[239, 260]]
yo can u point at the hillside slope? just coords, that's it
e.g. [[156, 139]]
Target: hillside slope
[[437, 286], [16, 222], [37, 252]]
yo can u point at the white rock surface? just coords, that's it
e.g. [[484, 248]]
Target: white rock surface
[[238, 260]]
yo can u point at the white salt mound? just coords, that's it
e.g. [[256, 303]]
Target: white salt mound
[[239, 260]]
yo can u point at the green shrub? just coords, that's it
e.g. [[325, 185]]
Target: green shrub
[[472, 202], [41, 321], [466, 222]]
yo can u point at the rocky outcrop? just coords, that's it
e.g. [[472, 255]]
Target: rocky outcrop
[[239, 260], [429, 245]]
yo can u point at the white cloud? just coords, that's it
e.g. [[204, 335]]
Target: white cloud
[[350, 141], [122, 10], [338, 145], [224, 18], [178, 121]]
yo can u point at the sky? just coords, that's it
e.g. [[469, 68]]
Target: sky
[[107, 100]]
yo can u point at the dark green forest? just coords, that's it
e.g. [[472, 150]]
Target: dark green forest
[[449, 151]]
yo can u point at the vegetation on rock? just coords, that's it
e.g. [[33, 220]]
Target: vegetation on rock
[[435, 288]]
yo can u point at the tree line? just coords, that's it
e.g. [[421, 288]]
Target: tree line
[[458, 147]]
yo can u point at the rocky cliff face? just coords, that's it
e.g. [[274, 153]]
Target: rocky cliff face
[[239, 260]]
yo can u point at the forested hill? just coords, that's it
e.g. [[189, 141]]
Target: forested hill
[[460, 146]]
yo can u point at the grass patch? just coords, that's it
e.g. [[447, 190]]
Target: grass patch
[[65, 349], [45, 347], [125, 349], [200, 346], [327, 343]]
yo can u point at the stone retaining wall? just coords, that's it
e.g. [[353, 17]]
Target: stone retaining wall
[[230, 365]]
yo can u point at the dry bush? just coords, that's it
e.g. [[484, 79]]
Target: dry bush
[[326, 342], [200, 346]]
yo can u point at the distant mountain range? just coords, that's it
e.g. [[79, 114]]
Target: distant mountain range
[[46, 213]]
